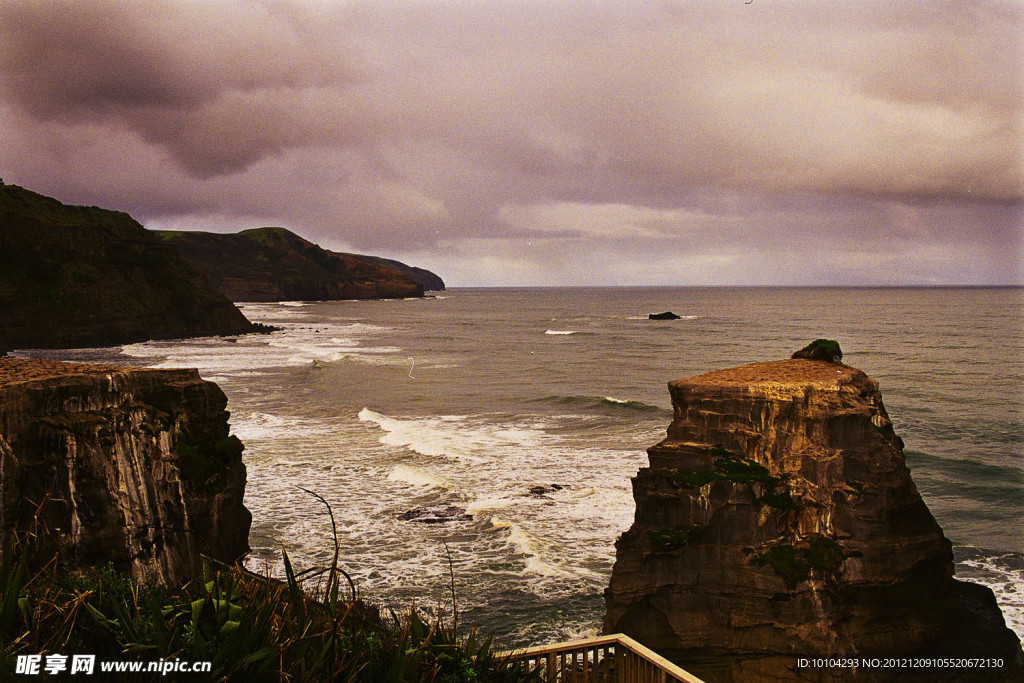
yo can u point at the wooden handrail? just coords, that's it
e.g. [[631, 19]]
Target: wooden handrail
[[616, 658]]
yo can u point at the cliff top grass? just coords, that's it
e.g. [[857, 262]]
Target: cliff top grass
[[272, 254], [17, 370], [793, 372], [79, 276]]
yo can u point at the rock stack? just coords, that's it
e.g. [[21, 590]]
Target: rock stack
[[778, 521]]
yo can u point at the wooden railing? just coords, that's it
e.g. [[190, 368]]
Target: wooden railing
[[605, 659]]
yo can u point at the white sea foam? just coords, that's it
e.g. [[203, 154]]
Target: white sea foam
[[531, 553], [484, 504], [293, 345], [453, 436], [1008, 585], [260, 425], [416, 477], [523, 545], [560, 332], [612, 399]]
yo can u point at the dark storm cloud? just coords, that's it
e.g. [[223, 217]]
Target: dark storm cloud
[[674, 141], [217, 86]]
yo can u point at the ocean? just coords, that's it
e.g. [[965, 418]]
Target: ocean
[[487, 437]]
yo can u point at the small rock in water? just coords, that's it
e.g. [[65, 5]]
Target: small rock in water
[[667, 315], [436, 514], [821, 349], [544, 490]]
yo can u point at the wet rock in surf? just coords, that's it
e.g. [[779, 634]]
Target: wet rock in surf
[[436, 514], [667, 315], [544, 490]]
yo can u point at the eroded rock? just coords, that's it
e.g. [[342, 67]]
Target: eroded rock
[[130, 466], [436, 514], [778, 520]]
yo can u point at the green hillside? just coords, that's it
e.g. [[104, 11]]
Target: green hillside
[[274, 264], [73, 276]]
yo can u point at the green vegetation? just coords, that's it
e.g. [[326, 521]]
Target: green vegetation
[[795, 563], [728, 466], [673, 539], [741, 470], [737, 469], [698, 479], [270, 264], [821, 349], [776, 499], [80, 276], [251, 628]]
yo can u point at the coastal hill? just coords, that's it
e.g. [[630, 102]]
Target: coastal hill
[[778, 520], [274, 264], [431, 281], [73, 276]]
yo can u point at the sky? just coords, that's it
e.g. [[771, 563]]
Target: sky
[[543, 142]]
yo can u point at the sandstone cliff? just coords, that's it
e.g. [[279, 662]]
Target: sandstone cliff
[[129, 466], [779, 520], [84, 276], [274, 264]]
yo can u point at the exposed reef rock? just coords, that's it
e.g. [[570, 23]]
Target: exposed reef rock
[[129, 466], [778, 520], [436, 514], [274, 264], [667, 315], [84, 276]]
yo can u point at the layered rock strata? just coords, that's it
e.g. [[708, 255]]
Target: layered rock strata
[[129, 466], [778, 520]]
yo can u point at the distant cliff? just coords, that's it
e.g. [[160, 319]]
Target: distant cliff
[[84, 276], [134, 467], [431, 281], [778, 520], [274, 264]]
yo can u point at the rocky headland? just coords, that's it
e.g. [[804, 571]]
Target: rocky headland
[[431, 281], [778, 520], [131, 466], [274, 264], [73, 276]]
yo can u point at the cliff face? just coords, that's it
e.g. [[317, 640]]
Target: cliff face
[[134, 467], [84, 276], [273, 264], [778, 520]]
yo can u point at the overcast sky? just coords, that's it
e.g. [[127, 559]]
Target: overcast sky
[[511, 142]]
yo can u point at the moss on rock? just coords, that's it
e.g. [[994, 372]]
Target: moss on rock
[[821, 349]]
